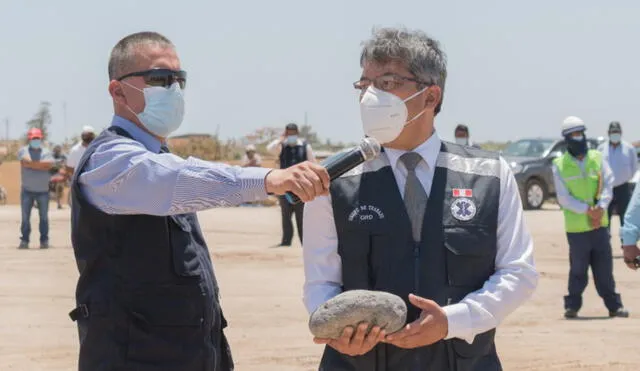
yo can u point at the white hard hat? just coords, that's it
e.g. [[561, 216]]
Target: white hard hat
[[88, 129], [572, 124], [250, 147]]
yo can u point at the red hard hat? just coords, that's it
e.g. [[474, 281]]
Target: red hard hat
[[34, 133]]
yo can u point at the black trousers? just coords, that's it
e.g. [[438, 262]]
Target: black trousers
[[287, 210], [593, 249], [621, 198]]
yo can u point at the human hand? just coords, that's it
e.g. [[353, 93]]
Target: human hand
[[630, 252], [595, 216], [355, 345], [25, 157], [432, 326], [306, 180]]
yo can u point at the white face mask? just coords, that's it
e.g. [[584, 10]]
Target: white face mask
[[384, 115], [163, 110], [462, 141]]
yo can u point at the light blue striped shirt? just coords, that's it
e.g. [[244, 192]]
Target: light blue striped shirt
[[622, 159], [631, 230], [125, 176]]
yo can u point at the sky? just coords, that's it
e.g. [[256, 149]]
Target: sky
[[515, 69]]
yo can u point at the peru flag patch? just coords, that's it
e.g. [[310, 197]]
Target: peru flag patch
[[458, 192]]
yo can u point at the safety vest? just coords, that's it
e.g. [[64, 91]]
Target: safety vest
[[582, 185]]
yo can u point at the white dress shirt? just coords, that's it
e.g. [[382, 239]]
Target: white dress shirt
[[75, 155], [566, 199], [513, 282], [622, 159]]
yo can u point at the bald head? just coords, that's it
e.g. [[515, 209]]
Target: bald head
[[125, 56]]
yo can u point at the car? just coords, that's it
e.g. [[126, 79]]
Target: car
[[531, 160]]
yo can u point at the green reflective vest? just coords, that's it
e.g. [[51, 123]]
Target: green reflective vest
[[584, 186]]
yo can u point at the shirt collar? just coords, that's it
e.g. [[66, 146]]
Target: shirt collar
[[147, 140], [429, 151]]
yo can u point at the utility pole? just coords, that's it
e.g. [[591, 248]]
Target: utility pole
[[306, 118], [6, 125]]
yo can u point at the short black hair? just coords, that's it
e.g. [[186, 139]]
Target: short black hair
[[462, 127], [123, 54], [615, 125], [292, 126]]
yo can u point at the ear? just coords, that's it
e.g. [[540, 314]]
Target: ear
[[434, 96], [116, 90]]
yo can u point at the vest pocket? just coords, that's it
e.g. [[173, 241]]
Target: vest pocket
[[470, 255], [184, 247], [167, 324], [479, 355]]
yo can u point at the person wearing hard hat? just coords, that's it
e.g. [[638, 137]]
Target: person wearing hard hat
[[251, 158], [35, 163], [86, 137], [584, 187]]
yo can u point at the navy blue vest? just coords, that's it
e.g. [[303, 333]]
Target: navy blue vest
[[147, 296], [455, 257], [291, 155]]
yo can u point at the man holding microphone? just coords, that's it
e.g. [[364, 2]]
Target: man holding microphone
[[147, 296]]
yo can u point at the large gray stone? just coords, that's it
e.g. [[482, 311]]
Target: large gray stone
[[350, 308]]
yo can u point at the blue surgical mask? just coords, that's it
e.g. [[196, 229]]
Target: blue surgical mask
[[462, 141], [163, 110], [35, 143], [615, 137], [292, 140]]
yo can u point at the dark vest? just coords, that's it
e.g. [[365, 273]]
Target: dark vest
[[455, 257], [291, 155], [147, 295]]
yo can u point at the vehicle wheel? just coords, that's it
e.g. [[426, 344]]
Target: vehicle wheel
[[535, 195]]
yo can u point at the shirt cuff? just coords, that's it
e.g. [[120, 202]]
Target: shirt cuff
[[459, 319], [629, 238], [252, 180]]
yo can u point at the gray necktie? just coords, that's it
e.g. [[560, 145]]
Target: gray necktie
[[415, 197]]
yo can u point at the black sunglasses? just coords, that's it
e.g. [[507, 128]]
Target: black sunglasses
[[160, 77]]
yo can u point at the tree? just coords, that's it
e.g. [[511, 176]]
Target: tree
[[42, 118]]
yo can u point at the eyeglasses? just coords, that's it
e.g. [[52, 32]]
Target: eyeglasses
[[160, 77], [386, 82]]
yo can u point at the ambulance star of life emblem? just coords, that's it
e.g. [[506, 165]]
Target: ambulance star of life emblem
[[463, 208]]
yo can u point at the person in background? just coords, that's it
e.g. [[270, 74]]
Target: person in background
[[291, 150], [623, 160], [35, 161], [461, 134], [251, 158], [58, 174], [76, 152], [584, 184]]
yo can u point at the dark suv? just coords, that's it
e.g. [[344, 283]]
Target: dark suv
[[530, 160]]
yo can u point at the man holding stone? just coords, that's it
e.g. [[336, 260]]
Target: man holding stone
[[438, 224]]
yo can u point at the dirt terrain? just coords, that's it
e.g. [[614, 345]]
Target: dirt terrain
[[261, 288]]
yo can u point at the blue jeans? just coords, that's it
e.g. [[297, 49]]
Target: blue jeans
[[41, 199]]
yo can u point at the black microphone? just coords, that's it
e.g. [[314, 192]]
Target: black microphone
[[342, 162]]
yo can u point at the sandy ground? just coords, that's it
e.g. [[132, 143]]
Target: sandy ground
[[261, 288]]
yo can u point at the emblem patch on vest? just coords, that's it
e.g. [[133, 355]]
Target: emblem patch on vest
[[365, 213], [463, 209]]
